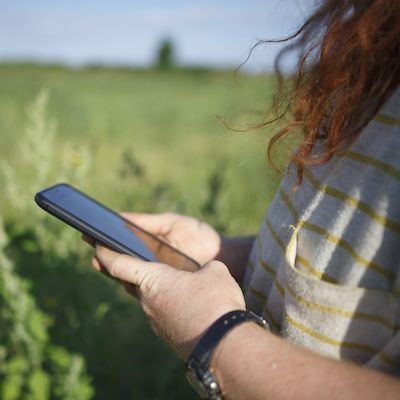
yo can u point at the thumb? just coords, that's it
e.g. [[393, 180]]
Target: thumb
[[142, 274]]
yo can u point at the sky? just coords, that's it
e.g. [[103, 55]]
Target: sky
[[215, 33]]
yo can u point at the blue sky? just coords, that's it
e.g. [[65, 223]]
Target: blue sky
[[215, 33]]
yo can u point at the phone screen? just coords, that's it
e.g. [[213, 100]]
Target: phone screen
[[93, 218]]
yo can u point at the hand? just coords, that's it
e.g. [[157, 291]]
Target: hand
[[196, 239], [180, 305]]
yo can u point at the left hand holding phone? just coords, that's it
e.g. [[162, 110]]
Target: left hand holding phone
[[181, 305], [195, 238]]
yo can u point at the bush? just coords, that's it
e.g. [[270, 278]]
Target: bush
[[31, 366], [64, 330], [67, 333]]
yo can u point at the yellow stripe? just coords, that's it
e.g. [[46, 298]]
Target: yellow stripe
[[261, 296], [274, 234], [267, 268], [271, 271], [338, 311], [280, 288], [333, 310], [271, 318], [289, 205], [387, 120], [351, 201], [389, 169], [280, 243], [257, 294], [302, 260], [340, 242], [393, 362], [335, 240], [347, 246], [328, 340], [323, 276]]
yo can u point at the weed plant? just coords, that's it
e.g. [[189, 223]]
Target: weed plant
[[66, 332]]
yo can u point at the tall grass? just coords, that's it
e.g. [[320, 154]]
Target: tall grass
[[64, 331]]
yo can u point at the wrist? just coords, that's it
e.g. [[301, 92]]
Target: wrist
[[237, 358], [207, 321], [199, 370]]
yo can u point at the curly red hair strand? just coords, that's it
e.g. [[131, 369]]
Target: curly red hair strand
[[348, 66]]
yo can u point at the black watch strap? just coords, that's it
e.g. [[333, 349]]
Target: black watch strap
[[198, 364], [204, 348]]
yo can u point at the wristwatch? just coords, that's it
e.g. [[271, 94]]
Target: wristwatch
[[198, 371]]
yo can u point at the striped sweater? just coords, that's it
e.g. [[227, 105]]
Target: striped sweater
[[325, 268]]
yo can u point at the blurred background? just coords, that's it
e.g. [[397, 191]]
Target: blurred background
[[121, 99]]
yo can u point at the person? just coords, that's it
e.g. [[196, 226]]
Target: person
[[324, 269]]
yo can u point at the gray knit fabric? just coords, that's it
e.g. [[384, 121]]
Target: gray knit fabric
[[324, 270]]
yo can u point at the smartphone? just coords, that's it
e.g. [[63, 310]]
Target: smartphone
[[107, 227]]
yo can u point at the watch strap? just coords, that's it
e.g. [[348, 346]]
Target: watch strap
[[205, 347], [198, 362]]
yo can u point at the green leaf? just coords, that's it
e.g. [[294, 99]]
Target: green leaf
[[30, 246], [59, 357], [39, 385], [11, 387], [38, 326], [17, 365]]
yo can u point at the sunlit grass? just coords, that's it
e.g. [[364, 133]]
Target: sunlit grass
[[136, 140]]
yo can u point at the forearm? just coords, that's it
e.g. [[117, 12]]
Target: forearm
[[253, 364], [235, 254]]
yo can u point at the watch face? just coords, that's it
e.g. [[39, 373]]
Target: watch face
[[197, 385]]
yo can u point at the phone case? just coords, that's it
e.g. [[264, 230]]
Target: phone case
[[182, 260]]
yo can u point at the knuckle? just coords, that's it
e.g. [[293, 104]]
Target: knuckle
[[115, 264], [215, 267], [150, 284], [157, 284]]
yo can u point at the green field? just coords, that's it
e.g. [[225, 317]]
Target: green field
[[142, 140]]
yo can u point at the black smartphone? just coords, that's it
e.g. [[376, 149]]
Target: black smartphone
[[108, 227]]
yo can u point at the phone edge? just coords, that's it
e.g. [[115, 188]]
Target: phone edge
[[120, 216], [87, 229]]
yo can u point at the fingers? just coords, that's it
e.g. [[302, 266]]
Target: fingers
[[88, 240], [129, 287], [129, 269], [158, 224], [96, 265]]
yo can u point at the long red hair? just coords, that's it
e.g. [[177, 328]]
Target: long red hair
[[348, 66]]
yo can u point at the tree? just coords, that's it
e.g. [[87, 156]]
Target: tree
[[165, 54]]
